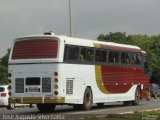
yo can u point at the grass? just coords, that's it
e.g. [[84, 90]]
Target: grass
[[151, 115]]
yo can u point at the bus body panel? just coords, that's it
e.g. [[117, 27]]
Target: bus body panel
[[108, 82], [32, 71], [80, 81]]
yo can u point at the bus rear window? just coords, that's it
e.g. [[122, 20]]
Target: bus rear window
[[35, 49], [33, 81]]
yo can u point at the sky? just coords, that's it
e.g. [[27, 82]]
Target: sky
[[89, 18]]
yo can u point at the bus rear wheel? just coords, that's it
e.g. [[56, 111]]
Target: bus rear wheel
[[11, 106], [87, 101], [46, 107]]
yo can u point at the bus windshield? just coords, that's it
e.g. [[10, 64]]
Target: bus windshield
[[35, 49]]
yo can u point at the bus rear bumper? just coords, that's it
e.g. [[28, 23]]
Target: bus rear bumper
[[36, 100]]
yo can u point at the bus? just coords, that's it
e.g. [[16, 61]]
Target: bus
[[49, 70]]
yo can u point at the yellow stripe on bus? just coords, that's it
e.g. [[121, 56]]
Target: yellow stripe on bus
[[99, 79]]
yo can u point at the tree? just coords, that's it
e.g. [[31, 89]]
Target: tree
[[3, 74], [4, 59], [4, 68], [117, 37]]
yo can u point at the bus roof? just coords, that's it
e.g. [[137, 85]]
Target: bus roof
[[86, 42]]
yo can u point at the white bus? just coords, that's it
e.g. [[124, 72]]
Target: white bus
[[50, 70]]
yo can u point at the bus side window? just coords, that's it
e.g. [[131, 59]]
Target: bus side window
[[71, 53], [83, 54], [90, 54], [123, 58], [113, 57], [126, 58], [65, 52], [138, 58], [101, 55], [133, 58], [87, 54], [76, 54]]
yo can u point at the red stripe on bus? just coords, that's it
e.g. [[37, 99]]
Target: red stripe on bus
[[119, 48]]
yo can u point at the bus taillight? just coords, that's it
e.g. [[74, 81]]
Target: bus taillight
[[55, 86], [9, 87], [9, 81], [56, 92], [56, 80], [56, 73], [10, 93]]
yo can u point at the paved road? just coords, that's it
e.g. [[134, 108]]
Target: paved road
[[67, 112]]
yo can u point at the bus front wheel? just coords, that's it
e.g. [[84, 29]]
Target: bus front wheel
[[137, 97]]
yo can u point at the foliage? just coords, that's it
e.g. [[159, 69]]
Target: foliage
[[4, 59], [150, 44], [4, 68]]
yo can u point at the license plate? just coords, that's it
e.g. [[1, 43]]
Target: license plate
[[33, 89]]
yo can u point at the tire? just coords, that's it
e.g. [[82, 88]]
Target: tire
[[77, 107], [149, 96], [87, 101], [155, 95], [41, 108], [32, 105], [127, 103], [44, 108], [100, 104], [137, 97], [11, 106]]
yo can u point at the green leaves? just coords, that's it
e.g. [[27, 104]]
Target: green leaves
[[4, 68]]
